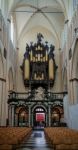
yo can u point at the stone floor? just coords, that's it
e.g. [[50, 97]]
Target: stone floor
[[37, 141]]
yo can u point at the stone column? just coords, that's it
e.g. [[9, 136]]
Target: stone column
[[75, 91], [46, 119], [1, 99], [9, 115], [49, 116], [13, 115], [16, 119], [32, 119], [29, 115]]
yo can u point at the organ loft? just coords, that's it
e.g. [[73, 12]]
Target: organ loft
[[37, 106], [39, 66], [38, 74]]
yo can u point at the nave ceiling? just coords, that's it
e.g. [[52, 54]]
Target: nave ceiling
[[34, 16]]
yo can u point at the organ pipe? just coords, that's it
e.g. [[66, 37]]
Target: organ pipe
[[31, 56], [38, 57], [26, 70], [51, 69], [46, 55]]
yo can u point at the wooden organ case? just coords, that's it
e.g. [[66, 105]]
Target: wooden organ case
[[39, 64]]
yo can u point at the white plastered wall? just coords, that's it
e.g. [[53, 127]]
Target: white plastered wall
[[2, 88]]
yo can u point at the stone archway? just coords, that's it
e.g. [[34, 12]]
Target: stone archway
[[21, 116], [39, 116]]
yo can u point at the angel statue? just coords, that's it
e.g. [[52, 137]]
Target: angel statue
[[39, 37], [39, 94]]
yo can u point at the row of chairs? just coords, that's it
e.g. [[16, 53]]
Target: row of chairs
[[10, 137], [62, 138]]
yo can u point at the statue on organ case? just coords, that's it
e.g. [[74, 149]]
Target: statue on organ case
[[39, 37], [39, 94]]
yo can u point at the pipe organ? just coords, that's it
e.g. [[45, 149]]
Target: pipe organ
[[39, 64]]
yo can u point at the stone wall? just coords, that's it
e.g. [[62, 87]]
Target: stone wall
[[8, 61]]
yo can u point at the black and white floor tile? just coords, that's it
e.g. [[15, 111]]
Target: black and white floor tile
[[37, 141]]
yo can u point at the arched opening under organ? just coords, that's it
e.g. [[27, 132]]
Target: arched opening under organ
[[57, 115], [39, 118], [21, 116]]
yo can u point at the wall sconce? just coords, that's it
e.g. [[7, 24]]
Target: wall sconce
[[66, 21], [59, 49], [8, 20], [17, 48], [76, 30]]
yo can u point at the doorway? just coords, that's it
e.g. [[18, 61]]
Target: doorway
[[39, 119]]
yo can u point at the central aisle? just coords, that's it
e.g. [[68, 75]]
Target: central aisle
[[37, 141]]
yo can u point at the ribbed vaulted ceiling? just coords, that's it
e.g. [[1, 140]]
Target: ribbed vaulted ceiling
[[34, 16]]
